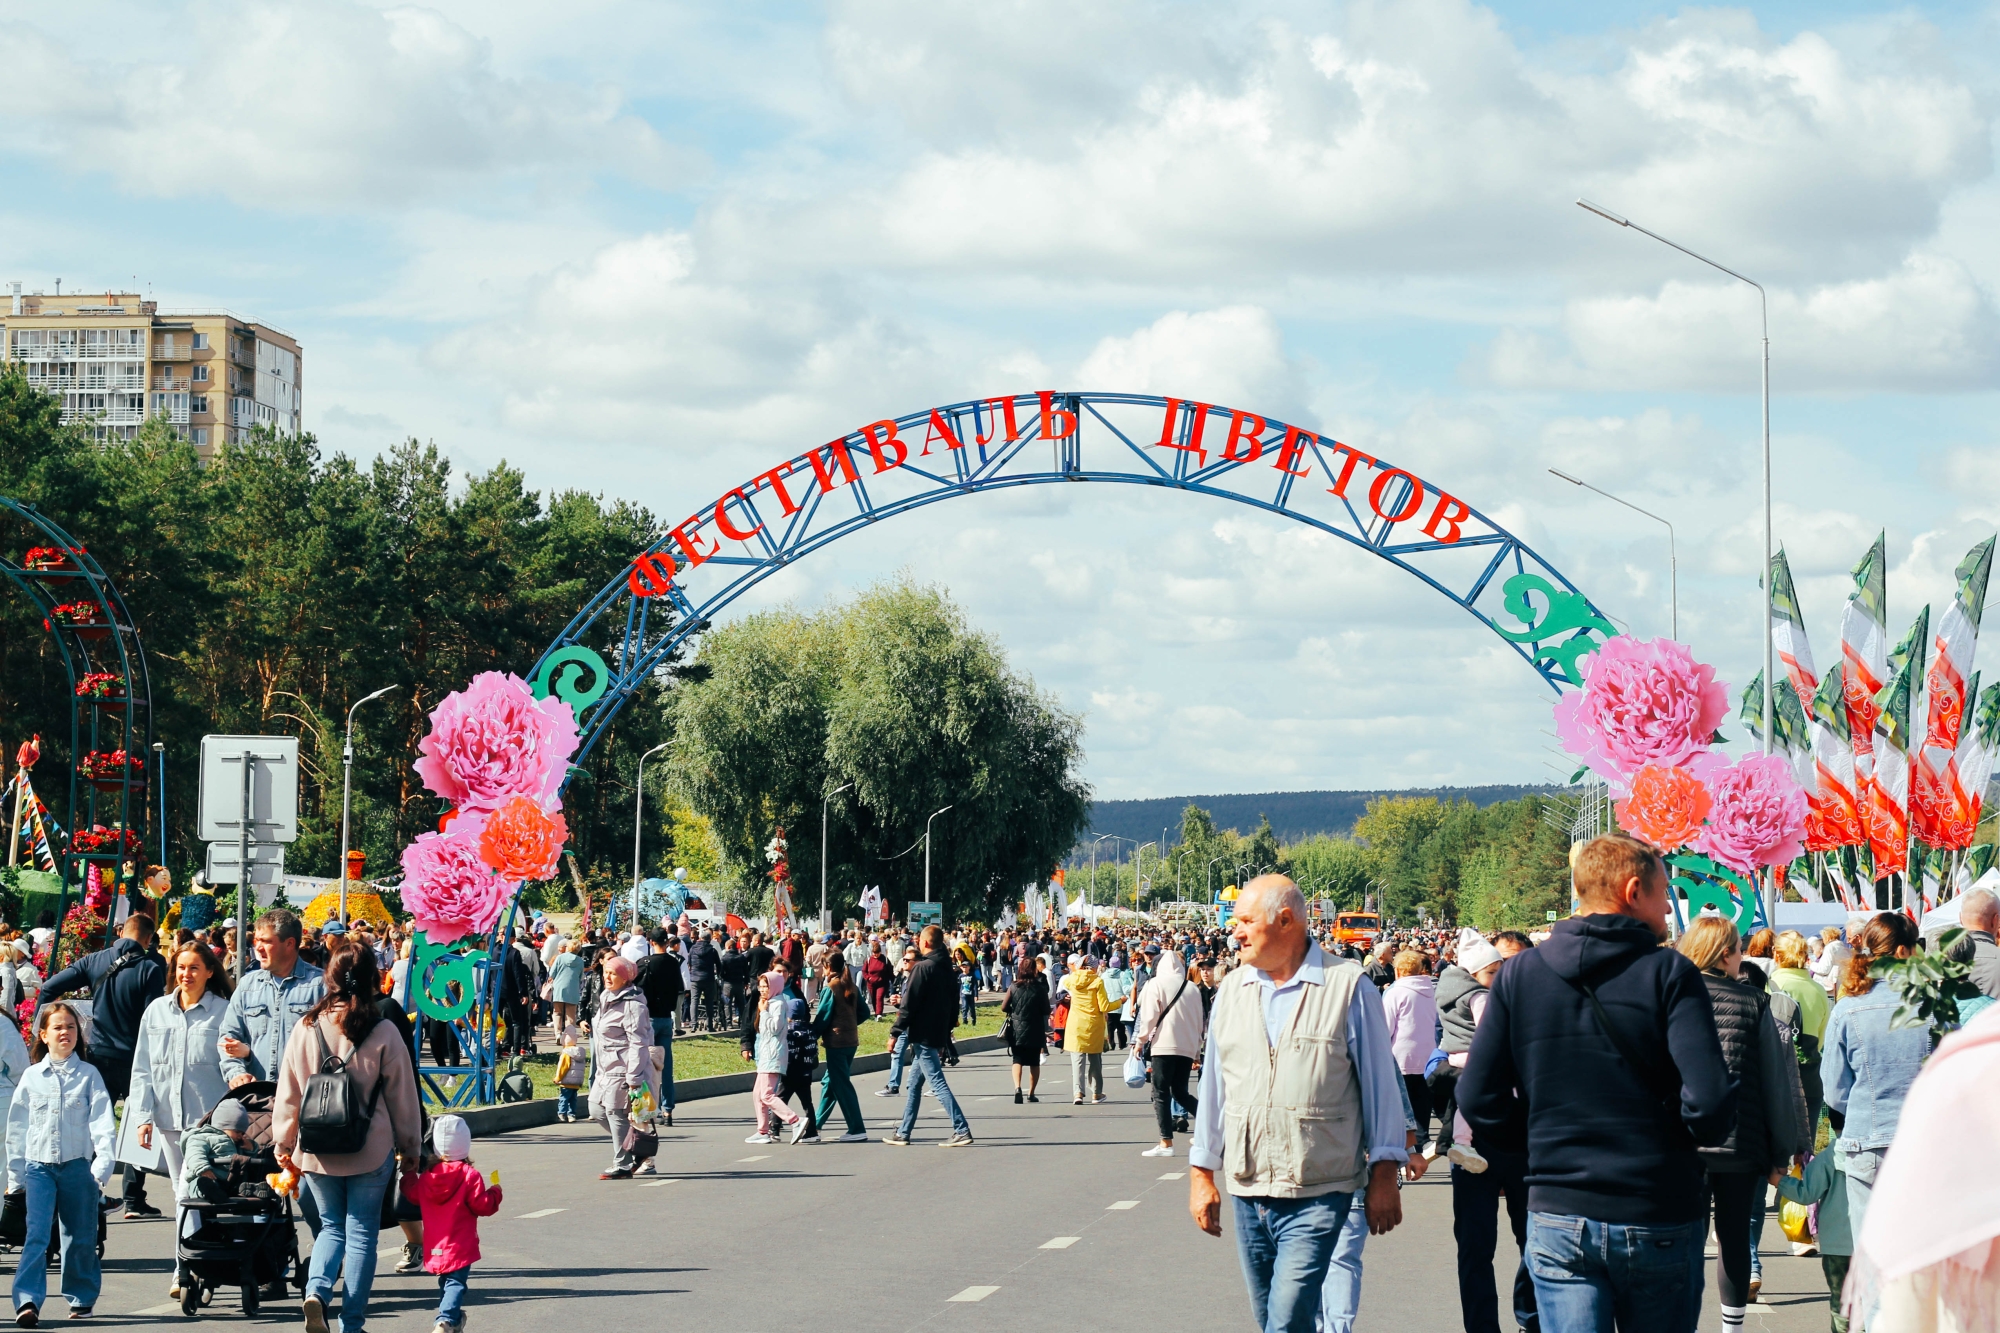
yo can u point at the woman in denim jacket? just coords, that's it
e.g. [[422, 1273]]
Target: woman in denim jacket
[[1868, 1066], [177, 1065], [60, 1141]]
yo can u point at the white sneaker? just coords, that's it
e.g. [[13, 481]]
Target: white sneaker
[[852, 1138], [760, 1138], [888, 1092], [646, 1168], [799, 1128], [1160, 1151], [1465, 1158]]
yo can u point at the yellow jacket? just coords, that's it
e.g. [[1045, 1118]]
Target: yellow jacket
[[1088, 1006]]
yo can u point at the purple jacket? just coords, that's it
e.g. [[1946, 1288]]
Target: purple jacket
[[1411, 1008]]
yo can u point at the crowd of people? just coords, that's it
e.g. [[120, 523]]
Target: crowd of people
[[1624, 1097]]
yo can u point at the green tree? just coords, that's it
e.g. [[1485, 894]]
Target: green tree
[[896, 694]]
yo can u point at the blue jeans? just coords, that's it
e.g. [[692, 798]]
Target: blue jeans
[[1589, 1274], [663, 1037], [925, 1064], [1285, 1246], [350, 1214], [1340, 1299], [451, 1296], [897, 1055], [566, 1101], [67, 1192]]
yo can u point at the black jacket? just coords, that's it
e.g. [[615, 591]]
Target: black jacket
[[702, 961], [930, 1001], [1603, 1141], [734, 968], [117, 1004], [1740, 1014], [660, 979], [1027, 1010]]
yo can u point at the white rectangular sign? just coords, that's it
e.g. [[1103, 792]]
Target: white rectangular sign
[[267, 863], [274, 788]]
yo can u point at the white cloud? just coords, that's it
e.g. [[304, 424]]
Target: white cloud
[[328, 104], [1412, 137], [1926, 325], [1234, 355]]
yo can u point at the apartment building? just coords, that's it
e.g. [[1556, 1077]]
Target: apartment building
[[115, 360]]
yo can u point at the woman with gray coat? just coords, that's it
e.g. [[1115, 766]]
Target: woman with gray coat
[[621, 1040]]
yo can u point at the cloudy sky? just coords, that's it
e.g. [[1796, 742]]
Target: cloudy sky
[[652, 248]]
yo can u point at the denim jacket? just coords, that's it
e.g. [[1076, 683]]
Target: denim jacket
[[61, 1112], [1869, 1068], [177, 1065], [263, 1013]]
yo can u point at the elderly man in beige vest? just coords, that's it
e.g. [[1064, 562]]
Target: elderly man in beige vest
[[1300, 1107]]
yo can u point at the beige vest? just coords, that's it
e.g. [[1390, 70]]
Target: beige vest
[[1291, 1117]]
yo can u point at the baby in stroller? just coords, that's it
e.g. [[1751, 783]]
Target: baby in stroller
[[236, 1229]]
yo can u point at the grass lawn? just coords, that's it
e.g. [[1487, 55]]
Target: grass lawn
[[705, 1056]]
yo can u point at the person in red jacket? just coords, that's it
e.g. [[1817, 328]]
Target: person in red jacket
[[454, 1197]]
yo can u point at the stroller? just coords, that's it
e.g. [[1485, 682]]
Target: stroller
[[248, 1239]]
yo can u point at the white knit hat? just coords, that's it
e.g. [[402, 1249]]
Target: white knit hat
[[451, 1137], [1474, 952]]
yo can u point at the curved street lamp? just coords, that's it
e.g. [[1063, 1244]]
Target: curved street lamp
[[638, 806], [346, 793]]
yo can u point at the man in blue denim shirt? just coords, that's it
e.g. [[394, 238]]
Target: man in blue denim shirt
[[269, 1003]]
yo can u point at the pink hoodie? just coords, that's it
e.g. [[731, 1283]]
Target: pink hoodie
[[454, 1196]]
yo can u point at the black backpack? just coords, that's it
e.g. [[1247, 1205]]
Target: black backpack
[[331, 1117]]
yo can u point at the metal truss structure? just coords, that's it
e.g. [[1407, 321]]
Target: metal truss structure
[[677, 587]]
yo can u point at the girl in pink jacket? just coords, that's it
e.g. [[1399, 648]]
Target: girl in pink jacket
[[454, 1197]]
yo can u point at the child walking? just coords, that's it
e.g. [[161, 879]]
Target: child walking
[[454, 1197], [569, 1073], [60, 1141], [1825, 1184], [773, 1017]]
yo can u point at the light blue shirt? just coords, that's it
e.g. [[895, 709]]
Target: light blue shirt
[[177, 1063], [1384, 1119], [262, 1014], [61, 1112]]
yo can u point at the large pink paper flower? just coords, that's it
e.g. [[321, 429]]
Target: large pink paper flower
[[448, 887], [493, 741], [1758, 815], [1643, 701]]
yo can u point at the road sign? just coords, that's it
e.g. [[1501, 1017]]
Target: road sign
[[274, 788], [926, 914], [1551, 916], [267, 863]]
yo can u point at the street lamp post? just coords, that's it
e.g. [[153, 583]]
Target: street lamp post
[[1673, 558], [160, 755], [822, 854], [1208, 875], [1138, 868], [638, 805], [1090, 893], [346, 795], [1763, 629], [927, 852]]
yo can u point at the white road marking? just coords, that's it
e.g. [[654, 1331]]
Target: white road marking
[[1175, 1175], [1059, 1243], [972, 1294], [539, 1212], [763, 1157], [172, 1308], [1122, 1203], [655, 1184]]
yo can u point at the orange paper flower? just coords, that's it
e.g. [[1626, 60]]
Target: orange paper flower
[[521, 841], [1666, 808]]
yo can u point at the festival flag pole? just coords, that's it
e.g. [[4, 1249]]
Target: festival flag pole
[[1943, 813], [1899, 702]]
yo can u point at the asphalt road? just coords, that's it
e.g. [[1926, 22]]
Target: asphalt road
[[1053, 1215]]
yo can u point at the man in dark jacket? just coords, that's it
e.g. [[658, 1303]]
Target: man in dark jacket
[[733, 970], [517, 998], [704, 964], [1599, 1049], [929, 1013], [659, 979], [123, 980]]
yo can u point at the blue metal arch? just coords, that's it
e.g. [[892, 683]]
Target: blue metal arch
[[1207, 449]]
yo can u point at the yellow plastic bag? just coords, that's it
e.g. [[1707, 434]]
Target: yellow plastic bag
[[1795, 1220]]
